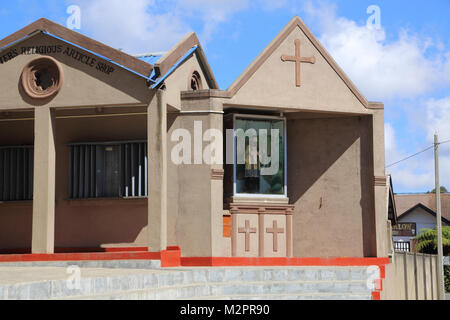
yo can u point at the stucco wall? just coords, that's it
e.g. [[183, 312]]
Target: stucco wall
[[179, 80], [16, 218], [411, 276], [329, 181], [195, 201], [274, 83], [82, 85], [93, 223], [78, 223]]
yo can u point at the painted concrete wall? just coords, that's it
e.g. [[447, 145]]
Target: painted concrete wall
[[78, 223], [16, 217], [83, 85], [329, 175], [411, 277], [274, 83], [179, 80], [92, 223], [81, 223], [195, 203]]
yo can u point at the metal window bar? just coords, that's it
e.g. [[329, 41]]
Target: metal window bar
[[402, 246], [87, 174], [16, 173], [135, 169]]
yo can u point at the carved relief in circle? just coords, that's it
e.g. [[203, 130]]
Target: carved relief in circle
[[42, 78]]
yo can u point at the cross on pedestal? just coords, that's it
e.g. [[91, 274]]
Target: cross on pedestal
[[247, 230], [298, 60], [275, 230]]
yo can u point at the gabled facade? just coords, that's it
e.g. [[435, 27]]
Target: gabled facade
[[103, 149], [418, 213]]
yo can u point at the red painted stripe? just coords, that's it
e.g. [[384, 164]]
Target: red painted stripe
[[176, 248], [170, 258], [383, 270], [77, 250], [81, 256], [230, 262], [376, 295]]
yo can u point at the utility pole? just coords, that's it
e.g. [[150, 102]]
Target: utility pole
[[440, 274]]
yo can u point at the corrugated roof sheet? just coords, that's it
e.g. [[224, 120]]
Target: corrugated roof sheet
[[150, 59]]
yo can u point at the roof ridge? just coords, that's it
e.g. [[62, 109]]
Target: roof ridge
[[86, 43], [296, 21]]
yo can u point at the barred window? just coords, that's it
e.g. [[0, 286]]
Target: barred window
[[16, 173], [108, 170]]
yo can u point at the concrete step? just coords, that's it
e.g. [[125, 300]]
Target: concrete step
[[184, 283], [320, 296], [293, 289]]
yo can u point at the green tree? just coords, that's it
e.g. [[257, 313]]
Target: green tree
[[443, 190], [427, 241]]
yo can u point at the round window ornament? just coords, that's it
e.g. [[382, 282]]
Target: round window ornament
[[42, 78]]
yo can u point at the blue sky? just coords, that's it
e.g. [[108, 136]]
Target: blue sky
[[405, 63]]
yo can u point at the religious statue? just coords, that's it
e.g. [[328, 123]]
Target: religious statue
[[252, 161]]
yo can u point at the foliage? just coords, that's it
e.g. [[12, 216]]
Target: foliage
[[427, 241], [447, 278], [443, 190]]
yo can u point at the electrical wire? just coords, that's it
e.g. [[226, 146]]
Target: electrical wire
[[416, 154], [407, 158]]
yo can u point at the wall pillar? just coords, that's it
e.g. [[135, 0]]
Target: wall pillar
[[381, 189], [44, 181], [157, 173]]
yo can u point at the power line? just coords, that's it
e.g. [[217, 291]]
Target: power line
[[416, 154], [407, 158]]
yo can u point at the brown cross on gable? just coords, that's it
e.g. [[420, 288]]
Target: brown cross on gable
[[247, 230], [275, 230], [298, 60]]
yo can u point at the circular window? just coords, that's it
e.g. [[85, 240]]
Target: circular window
[[196, 81], [42, 78]]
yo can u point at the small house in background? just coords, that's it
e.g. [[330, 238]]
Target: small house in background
[[415, 213]]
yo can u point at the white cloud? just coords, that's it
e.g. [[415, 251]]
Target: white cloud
[[210, 12], [438, 119], [134, 26], [156, 25], [412, 175], [389, 137], [382, 69], [417, 173]]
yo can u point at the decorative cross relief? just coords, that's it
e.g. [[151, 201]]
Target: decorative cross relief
[[247, 230], [275, 230], [298, 59]]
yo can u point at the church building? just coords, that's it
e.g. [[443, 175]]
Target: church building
[[102, 150]]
